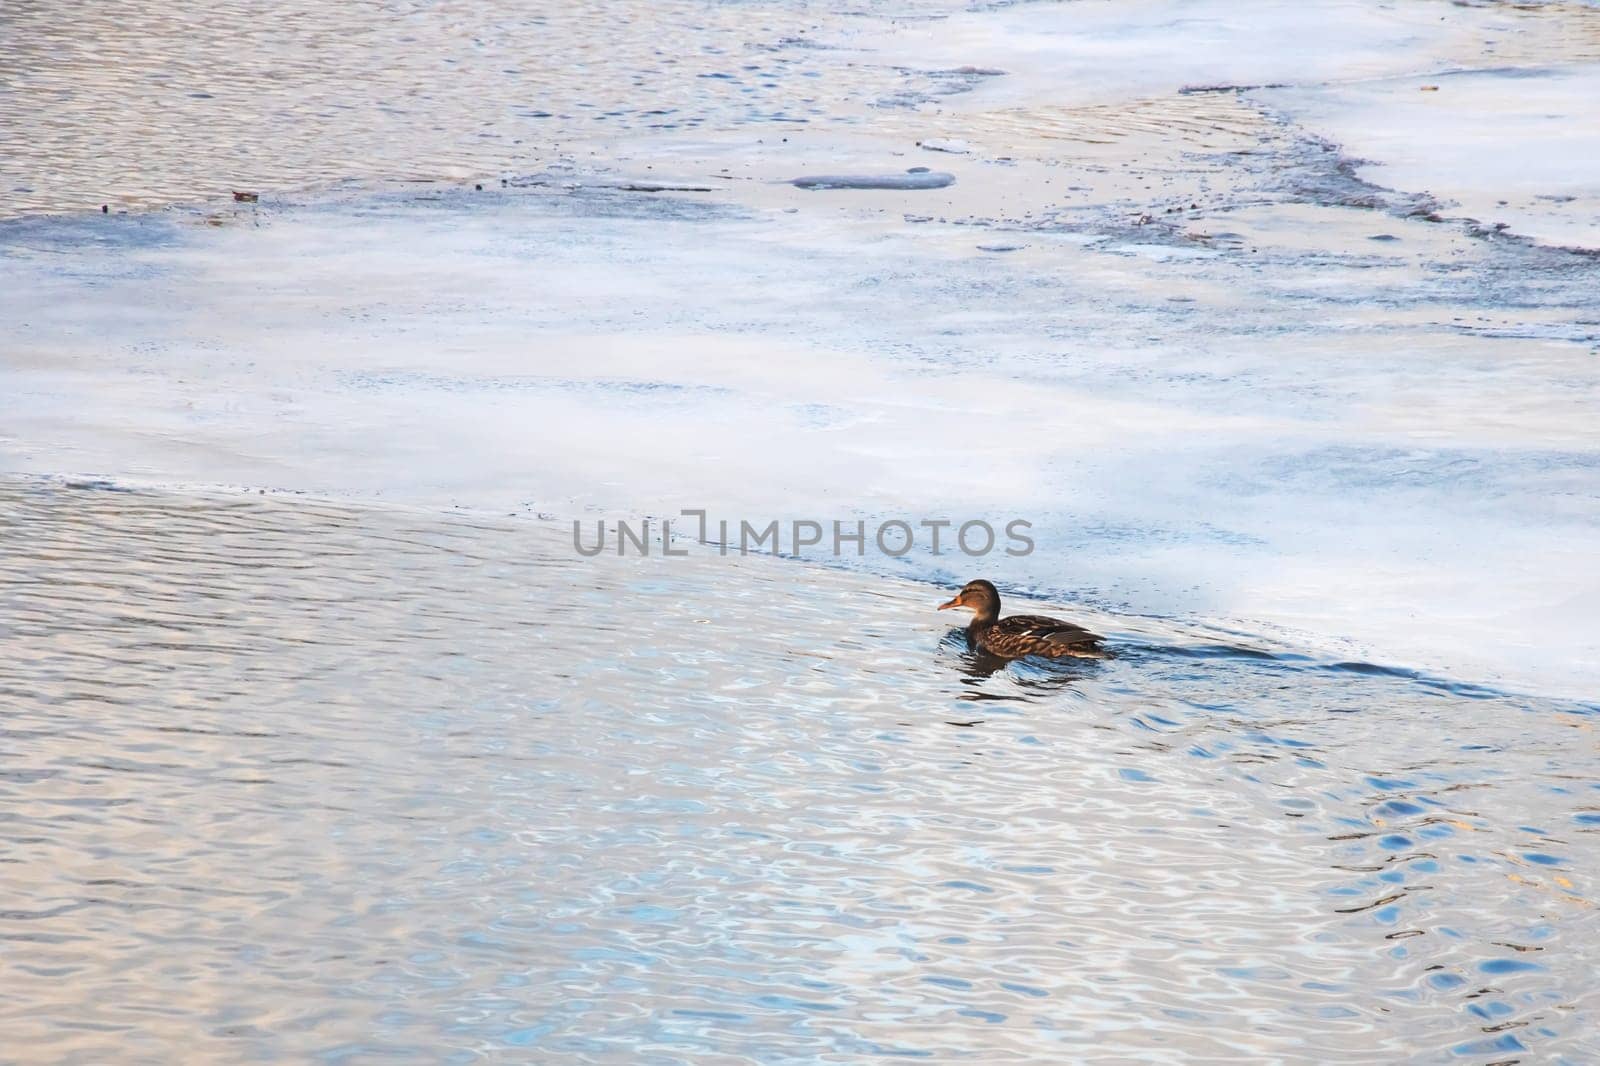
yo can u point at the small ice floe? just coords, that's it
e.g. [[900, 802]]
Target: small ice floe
[[647, 185], [1001, 247], [915, 178], [949, 145], [644, 185]]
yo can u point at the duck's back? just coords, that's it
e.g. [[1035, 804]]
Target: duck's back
[[1032, 634]]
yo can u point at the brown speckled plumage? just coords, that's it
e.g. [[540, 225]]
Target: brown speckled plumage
[[1021, 634]]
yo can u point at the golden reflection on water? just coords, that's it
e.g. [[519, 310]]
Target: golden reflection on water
[[294, 779]]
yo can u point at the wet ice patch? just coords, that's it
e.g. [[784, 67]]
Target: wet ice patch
[[910, 180]]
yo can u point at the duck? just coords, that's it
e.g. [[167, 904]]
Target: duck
[[1021, 634]]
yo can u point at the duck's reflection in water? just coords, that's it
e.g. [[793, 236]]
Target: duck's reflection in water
[[985, 676]]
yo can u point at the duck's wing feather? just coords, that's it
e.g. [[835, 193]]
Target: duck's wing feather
[[1050, 631]]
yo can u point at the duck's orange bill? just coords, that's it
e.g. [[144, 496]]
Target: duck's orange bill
[[955, 602]]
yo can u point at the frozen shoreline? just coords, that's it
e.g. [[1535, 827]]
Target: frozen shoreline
[[614, 354], [1229, 370]]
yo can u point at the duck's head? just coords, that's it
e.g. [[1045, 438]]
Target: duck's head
[[979, 597]]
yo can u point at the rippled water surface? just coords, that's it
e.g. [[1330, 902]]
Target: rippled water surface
[[287, 779], [136, 103]]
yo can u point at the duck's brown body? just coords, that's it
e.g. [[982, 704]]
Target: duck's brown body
[[1022, 634]]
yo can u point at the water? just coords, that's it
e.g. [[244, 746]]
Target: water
[[134, 104], [290, 779]]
